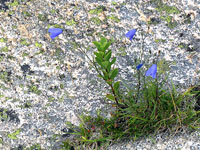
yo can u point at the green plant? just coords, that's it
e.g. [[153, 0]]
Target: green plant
[[151, 106]]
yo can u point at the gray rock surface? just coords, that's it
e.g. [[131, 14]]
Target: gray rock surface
[[45, 82]]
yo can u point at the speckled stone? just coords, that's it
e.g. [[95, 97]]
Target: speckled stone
[[44, 83]]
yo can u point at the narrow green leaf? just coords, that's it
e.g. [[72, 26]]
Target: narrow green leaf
[[113, 73], [98, 45], [102, 54], [107, 45], [99, 76], [116, 86], [110, 97], [109, 67], [105, 64], [113, 61], [105, 75], [103, 41], [108, 55], [99, 55], [98, 60]]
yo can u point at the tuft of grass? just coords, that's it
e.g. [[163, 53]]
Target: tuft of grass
[[153, 106]]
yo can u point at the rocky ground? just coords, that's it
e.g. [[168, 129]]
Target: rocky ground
[[44, 83]]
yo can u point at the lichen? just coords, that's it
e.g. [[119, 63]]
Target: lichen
[[71, 22], [24, 42], [13, 135], [114, 18], [96, 20]]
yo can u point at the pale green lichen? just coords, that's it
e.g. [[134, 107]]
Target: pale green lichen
[[168, 9], [26, 14], [15, 3], [34, 89], [4, 76], [160, 40], [170, 23], [3, 115], [1, 58], [35, 147], [121, 52], [41, 51], [1, 140], [95, 11], [96, 20], [71, 22], [51, 99], [53, 11], [24, 42], [25, 54], [4, 49], [42, 17], [38, 45], [114, 3], [114, 18], [62, 86], [3, 40], [13, 135]]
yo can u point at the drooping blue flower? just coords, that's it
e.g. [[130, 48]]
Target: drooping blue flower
[[139, 66], [54, 32], [130, 34], [152, 71]]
